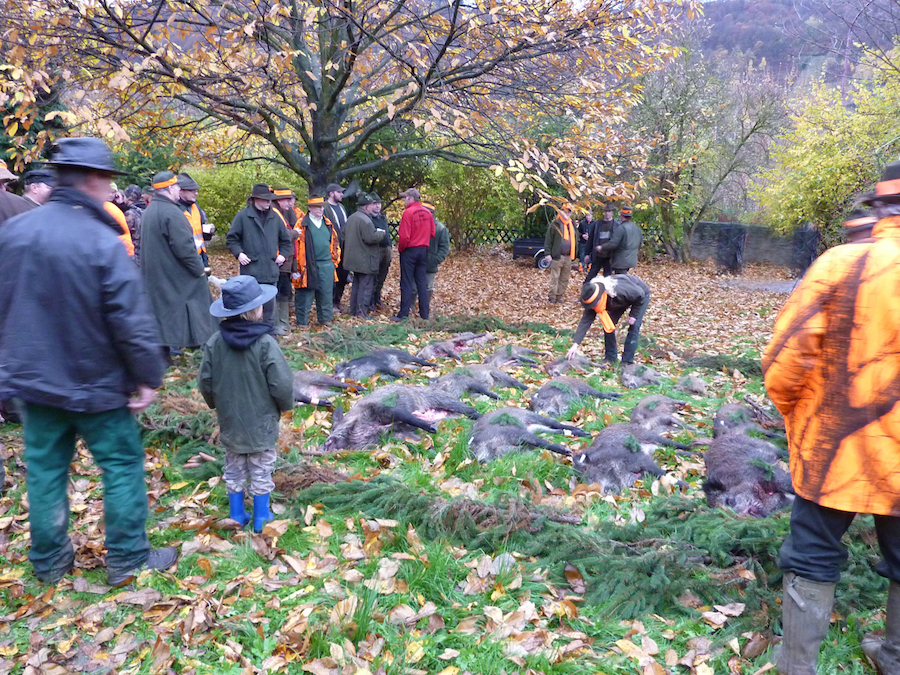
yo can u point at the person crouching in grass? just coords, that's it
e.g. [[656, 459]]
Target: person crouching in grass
[[246, 378]]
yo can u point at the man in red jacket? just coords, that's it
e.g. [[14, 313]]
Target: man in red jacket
[[414, 236]]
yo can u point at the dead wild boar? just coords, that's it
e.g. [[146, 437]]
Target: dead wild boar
[[314, 388], [452, 348], [646, 436], [742, 474], [635, 376], [513, 355], [384, 361], [734, 418], [507, 430], [562, 365], [614, 466], [556, 396], [478, 379], [654, 406], [394, 408], [691, 384]]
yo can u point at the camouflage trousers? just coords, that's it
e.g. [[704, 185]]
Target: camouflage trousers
[[255, 468]]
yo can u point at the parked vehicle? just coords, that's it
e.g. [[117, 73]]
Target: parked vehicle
[[531, 247]]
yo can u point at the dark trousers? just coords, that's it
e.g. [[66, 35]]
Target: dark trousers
[[361, 294], [285, 289], [303, 297], [413, 265], [383, 268], [114, 440], [598, 264], [341, 282], [269, 311], [813, 550], [634, 332]]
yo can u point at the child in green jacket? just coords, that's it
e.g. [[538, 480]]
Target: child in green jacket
[[246, 378]]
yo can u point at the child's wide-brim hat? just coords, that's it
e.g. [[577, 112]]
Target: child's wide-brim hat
[[241, 294]]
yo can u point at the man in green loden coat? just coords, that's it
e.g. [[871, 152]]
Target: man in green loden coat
[[560, 249], [438, 250], [623, 245], [362, 255], [173, 271], [260, 241]]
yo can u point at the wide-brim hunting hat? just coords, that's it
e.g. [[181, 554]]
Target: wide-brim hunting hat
[[316, 200], [284, 193], [185, 182], [364, 198], [163, 180], [241, 294], [45, 176], [85, 153], [262, 191], [887, 189], [860, 219], [333, 187], [412, 193], [5, 174], [594, 296]]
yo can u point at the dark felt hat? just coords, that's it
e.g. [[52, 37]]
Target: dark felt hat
[[262, 191], [887, 189], [84, 152], [333, 187], [185, 182], [241, 294], [40, 176], [376, 198], [626, 210], [365, 198]]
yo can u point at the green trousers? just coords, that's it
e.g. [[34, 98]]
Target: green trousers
[[303, 297], [114, 440]]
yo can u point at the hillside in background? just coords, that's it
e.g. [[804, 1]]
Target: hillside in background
[[770, 30]]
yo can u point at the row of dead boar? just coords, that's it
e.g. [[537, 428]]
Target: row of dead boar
[[743, 472]]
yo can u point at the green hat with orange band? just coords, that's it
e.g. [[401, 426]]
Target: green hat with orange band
[[594, 296]]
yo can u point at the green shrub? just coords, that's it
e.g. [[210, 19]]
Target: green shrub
[[224, 189]]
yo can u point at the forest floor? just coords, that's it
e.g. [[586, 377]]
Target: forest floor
[[383, 560]]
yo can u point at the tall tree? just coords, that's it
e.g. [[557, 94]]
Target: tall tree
[[712, 122], [314, 80]]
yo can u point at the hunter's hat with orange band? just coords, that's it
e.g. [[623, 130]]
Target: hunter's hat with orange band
[[163, 179], [594, 296], [860, 219], [316, 200], [887, 190], [284, 193]]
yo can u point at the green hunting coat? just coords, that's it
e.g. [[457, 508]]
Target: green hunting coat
[[439, 247], [362, 244], [624, 245], [249, 388], [262, 238], [174, 276]]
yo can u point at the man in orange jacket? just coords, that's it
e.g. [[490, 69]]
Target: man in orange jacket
[[833, 370]]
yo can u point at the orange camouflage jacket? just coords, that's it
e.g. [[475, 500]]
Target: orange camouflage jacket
[[833, 370], [300, 251]]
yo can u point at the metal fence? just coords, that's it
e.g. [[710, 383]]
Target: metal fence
[[477, 235]]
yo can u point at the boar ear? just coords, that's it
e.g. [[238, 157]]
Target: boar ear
[[711, 486], [338, 415]]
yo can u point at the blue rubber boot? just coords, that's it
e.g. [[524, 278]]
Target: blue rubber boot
[[261, 513], [236, 507]]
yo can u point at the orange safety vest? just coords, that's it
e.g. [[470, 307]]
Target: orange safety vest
[[193, 216], [116, 213], [568, 233]]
